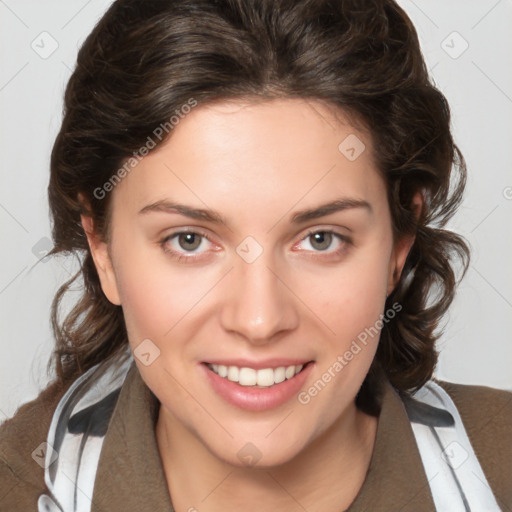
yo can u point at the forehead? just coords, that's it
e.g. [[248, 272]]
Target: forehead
[[289, 128], [273, 153]]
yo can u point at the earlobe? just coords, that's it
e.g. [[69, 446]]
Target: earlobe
[[400, 254], [102, 261]]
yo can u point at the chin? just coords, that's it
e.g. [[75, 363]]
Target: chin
[[260, 453]]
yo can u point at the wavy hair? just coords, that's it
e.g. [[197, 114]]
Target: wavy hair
[[144, 60]]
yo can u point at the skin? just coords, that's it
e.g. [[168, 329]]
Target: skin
[[256, 164]]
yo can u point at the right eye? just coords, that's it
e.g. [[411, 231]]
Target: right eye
[[183, 245]]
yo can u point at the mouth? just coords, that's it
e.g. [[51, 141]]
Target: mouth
[[256, 378], [257, 389]]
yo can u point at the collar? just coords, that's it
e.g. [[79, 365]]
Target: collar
[[395, 479], [130, 474]]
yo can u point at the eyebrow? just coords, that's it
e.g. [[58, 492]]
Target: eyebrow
[[328, 208], [299, 217]]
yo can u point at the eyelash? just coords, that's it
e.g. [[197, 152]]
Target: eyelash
[[192, 258]]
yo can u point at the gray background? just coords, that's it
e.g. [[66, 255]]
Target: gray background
[[477, 80]]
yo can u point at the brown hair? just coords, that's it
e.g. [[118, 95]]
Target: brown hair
[[144, 60]]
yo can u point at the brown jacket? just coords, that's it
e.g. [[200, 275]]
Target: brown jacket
[[130, 475]]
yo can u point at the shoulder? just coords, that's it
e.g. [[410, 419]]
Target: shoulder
[[21, 446], [487, 417], [481, 407]]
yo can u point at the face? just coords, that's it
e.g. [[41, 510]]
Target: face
[[249, 278]]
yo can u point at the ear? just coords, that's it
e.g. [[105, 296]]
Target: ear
[[403, 247], [102, 260]]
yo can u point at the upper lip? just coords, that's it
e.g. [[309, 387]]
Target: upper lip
[[258, 365]]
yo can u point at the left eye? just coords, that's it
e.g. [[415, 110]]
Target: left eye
[[322, 240]]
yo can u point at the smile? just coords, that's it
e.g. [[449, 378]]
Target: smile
[[263, 378], [271, 385]]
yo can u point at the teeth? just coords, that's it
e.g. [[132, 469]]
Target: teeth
[[233, 373], [290, 372], [264, 378], [279, 374], [247, 377]]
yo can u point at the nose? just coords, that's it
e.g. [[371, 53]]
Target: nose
[[259, 305]]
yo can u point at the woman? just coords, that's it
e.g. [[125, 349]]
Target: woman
[[256, 369]]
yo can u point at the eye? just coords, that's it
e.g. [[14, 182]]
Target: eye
[[322, 240], [185, 245]]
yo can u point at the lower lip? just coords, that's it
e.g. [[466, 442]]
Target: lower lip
[[257, 399]]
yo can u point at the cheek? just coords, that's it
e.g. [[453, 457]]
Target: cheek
[[350, 303], [354, 297], [144, 302], [159, 298]]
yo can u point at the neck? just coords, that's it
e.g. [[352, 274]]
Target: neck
[[325, 476]]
